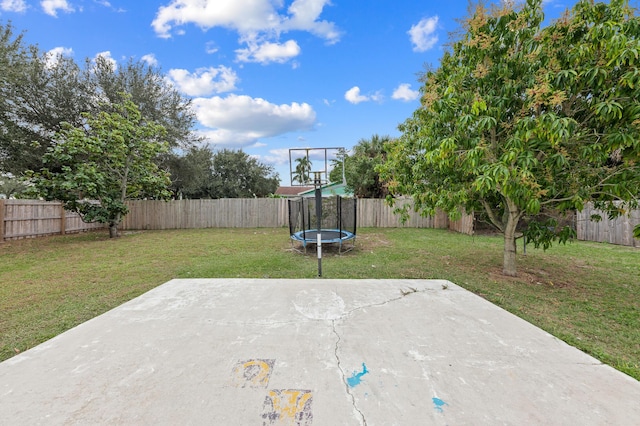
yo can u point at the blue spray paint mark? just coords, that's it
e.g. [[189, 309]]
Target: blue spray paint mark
[[438, 404], [357, 377]]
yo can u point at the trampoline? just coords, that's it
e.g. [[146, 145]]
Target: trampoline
[[338, 222], [327, 236]]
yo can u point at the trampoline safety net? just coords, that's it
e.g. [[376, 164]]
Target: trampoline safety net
[[338, 222]]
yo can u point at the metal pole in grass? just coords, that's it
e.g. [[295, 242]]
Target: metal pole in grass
[[317, 183]]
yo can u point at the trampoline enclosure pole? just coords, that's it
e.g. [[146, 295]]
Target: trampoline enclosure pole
[[318, 184]]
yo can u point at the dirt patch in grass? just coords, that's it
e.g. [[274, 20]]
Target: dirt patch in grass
[[372, 241], [536, 277]]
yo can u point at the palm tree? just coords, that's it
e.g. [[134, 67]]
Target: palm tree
[[302, 173]]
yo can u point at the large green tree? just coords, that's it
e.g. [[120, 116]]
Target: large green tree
[[40, 91], [14, 56], [158, 100], [191, 173], [235, 174], [203, 173], [48, 92], [360, 168], [94, 168], [520, 118]]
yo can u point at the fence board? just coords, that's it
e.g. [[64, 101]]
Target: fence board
[[614, 231], [464, 225]]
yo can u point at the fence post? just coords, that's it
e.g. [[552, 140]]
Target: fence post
[[2, 213]]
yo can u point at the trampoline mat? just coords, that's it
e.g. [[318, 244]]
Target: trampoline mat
[[326, 235]]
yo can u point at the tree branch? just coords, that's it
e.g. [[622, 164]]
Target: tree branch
[[492, 216]]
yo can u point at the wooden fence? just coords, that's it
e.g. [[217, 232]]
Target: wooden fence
[[614, 231], [375, 213], [220, 213], [264, 212], [33, 218]]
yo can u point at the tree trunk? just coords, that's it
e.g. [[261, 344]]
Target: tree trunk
[[113, 230], [509, 261]]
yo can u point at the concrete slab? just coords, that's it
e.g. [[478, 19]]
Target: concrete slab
[[303, 352]]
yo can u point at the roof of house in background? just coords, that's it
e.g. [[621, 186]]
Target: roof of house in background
[[329, 190], [292, 191]]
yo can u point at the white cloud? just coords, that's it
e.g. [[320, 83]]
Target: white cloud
[[61, 51], [241, 15], [354, 96], [278, 156], [226, 138], [150, 59], [51, 7], [242, 120], [106, 55], [13, 5], [211, 47], [304, 16], [246, 17], [53, 55], [204, 81], [404, 93], [107, 4], [268, 52], [422, 34]]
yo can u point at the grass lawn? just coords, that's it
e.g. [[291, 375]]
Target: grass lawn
[[587, 294]]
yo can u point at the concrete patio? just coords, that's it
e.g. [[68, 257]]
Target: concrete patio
[[311, 351]]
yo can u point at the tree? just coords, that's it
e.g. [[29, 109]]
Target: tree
[[40, 91], [94, 168], [10, 186], [157, 99], [361, 174], [237, 175], [13, 61], [520, 118], [191, 174], [338, 172], [302, 173], [48, 92]]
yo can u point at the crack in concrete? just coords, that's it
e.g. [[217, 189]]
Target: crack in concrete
[[403, 294], [344, 376]]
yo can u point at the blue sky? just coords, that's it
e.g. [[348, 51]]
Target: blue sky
[[265, 75]]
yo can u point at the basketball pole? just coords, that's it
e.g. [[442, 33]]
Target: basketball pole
[[317, 183]]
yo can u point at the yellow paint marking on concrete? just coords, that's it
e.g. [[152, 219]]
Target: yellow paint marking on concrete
[[289, 407], [254, 373]]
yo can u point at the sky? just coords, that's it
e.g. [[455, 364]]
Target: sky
[[266, 76]]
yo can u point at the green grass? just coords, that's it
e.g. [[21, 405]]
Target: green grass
[[587, 294]]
